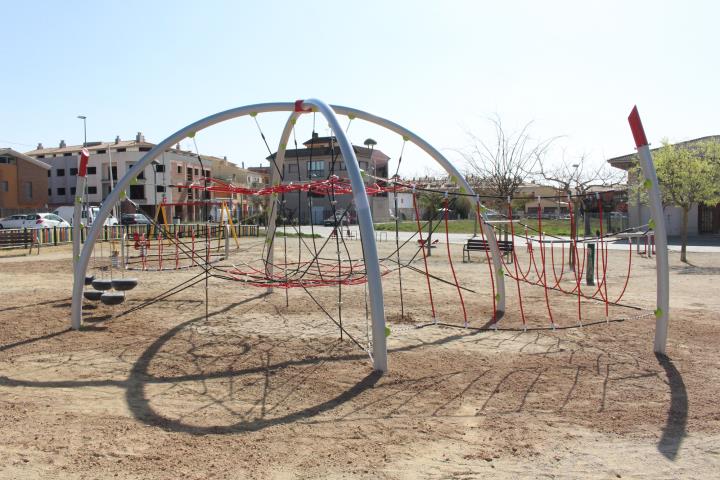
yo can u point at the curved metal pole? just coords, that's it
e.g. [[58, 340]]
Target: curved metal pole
[[662, 267], [367, 232], [453, 172], [274, 180]]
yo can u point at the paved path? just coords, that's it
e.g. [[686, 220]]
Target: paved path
[[712, 243]]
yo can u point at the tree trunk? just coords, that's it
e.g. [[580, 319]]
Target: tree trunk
[[684, 234]]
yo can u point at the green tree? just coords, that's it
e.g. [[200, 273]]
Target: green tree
[[688, 175]]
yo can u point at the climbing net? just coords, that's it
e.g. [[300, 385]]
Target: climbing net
[[424, 282]]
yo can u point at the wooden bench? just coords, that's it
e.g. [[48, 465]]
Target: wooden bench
[[477, 244], [17, 238]]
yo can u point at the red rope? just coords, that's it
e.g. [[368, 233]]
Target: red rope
[[422, 247], [452, 268], [517, 279], [542, 256], [573, 229]]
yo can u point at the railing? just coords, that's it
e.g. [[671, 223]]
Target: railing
[[24, 237]]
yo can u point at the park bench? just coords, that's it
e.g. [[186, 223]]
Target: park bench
[[477, 244]]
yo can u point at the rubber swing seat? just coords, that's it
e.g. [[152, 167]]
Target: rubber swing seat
[[89, 279], [112, 298], [124, 284], [100, 284], [93, 295]]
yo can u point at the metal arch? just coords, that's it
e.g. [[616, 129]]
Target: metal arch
[[81, 262]]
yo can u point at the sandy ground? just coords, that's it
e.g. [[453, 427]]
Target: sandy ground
[[262, 387]]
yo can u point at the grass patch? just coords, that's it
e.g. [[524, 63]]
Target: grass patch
[[560, 228]]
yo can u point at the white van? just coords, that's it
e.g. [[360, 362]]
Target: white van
[[66, 213]]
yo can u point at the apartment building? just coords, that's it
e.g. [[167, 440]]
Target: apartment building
[[321, 158], [109, 161]]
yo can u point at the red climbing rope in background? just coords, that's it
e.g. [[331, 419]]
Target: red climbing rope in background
[[452, 268], [422, 247]]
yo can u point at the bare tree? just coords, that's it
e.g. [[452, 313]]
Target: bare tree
[[577, 178], [504, 164]]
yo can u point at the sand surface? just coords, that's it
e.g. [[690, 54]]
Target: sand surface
[[262, 387]]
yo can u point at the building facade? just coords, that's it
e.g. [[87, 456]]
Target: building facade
[[320, 159], [23, 183], [702, 218], [109, 161]]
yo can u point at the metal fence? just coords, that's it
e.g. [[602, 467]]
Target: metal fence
[[24, 237]]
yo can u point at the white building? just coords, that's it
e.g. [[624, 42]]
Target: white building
[[110, 161]]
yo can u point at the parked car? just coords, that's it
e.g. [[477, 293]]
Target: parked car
[[13, 221], [67, 212], [337, 219], [44, 220], [134, 219]]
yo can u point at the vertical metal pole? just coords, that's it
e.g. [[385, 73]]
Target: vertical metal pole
[[662, 312], [367, 232]]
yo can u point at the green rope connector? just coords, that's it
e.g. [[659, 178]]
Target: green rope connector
[[122, 194], [387, 331], [651, 223], [647, 184], [351, 116], [294, 121], [658, 312], [501, 271], [405, 138], [78, 199], [191, 135], [363, 173], [463, 190], [283, 146], [253, 114], [134, 181], [497, 297], [453, 179]]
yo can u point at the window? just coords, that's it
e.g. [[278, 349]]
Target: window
[[61, 191], [60, 172], [49, 192], [8, 160], [67, 154], [159, 168], [100, 152], [27, 189], [364, 165], [179, 169], [73, 171], [293, 168], [92, 190], [49, 173], [121, 150], [92, 170], [197, 172], [315, 168], [72, 190], [137, 192], [207, 173], [141, 175], [144, 149], [160, 188], [3, 186], [41, 156]]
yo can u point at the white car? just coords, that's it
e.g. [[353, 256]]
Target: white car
[[13, 221], [44, 220], [67, 212]]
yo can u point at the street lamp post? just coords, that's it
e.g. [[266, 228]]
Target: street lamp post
[[84, 119]]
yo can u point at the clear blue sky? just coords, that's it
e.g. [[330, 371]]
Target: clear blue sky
[[438, 68]]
